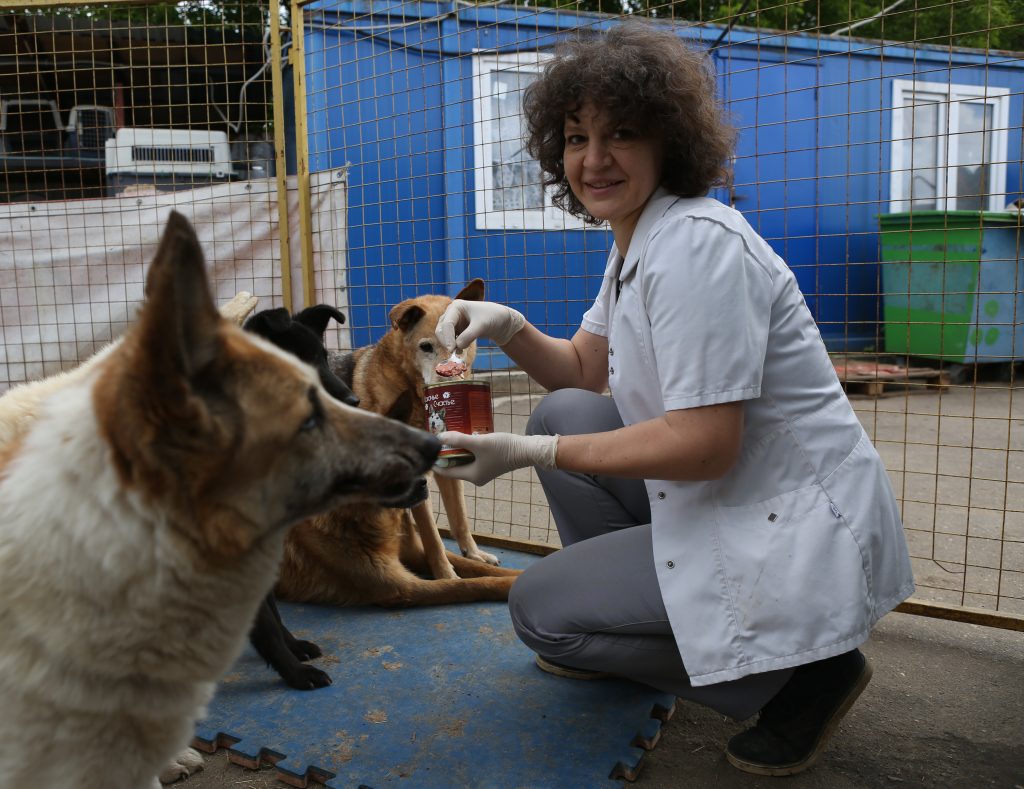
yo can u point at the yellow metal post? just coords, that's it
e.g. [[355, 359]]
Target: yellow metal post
[[277, 84], [298, 61]]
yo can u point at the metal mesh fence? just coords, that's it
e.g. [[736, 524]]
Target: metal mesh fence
[[879, 153], [110, 117]]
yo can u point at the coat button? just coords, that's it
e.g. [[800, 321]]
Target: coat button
[[611, 371], [661, 494], [611, 351], [670, 564]]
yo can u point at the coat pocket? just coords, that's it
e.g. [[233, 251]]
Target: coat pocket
[[774, 512], [794, 572]]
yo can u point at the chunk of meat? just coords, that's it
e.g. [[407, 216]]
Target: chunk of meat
[[451, 368]]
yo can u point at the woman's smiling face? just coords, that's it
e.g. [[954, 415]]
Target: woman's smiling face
[[612, 169]]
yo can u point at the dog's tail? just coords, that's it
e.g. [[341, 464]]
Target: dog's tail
[[239, 307]]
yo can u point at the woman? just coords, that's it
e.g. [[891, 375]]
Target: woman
[[729, 532]]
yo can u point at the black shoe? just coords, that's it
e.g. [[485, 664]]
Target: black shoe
[[562, 670], [794, 726]]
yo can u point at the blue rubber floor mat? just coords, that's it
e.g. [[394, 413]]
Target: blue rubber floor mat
[[438, 697]]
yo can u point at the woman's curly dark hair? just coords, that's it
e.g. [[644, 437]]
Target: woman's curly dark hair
[[642, 76]]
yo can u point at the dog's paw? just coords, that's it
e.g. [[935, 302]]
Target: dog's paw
[[182, 766], [481, 556], [306, 678], [304, 650], [443, 569]]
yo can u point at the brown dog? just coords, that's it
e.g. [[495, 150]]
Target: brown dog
[[367, 554]]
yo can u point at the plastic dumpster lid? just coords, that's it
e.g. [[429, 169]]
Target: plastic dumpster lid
[[946, 220]]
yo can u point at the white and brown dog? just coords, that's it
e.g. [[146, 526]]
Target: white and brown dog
[[142, 516]]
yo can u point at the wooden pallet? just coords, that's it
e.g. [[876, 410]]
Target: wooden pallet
[[876, 379]]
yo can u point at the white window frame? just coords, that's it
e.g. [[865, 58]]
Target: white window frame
[[550, 217], [950, 97]]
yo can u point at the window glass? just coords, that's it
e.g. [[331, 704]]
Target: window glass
[[974, 144], [949, 146], [921, 163], [516, 175], [508, 183]]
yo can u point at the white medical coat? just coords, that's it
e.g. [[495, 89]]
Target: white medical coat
[[794, 554]]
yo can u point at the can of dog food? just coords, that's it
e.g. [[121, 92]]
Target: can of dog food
[[462, 406]]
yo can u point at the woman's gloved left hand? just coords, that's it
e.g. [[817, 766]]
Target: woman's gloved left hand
[[497, 453]]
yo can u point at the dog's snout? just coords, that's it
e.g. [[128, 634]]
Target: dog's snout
[[429, 447], [337, 388]]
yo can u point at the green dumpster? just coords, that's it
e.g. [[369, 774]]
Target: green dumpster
[[952, 288]]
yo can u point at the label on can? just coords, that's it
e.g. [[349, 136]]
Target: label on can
[[462, 406]]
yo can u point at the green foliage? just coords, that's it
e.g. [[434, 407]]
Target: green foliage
[[987, 24], [235, 18]]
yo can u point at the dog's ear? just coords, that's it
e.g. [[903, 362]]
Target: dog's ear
[[269, 323], [317, 318], [474, 291], [405, 315], [179, 321]]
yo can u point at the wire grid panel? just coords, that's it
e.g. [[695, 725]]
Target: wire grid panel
[[512, 506], [879, 153], [110, 117]]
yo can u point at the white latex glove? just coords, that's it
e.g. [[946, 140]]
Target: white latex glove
[[497, 453], [477, 319]]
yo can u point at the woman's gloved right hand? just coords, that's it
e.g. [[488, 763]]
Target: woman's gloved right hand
[[466, 321]]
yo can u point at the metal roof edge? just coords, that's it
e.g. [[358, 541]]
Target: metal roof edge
[[559, 20]]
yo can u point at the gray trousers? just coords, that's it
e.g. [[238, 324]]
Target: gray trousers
[[596, 604]]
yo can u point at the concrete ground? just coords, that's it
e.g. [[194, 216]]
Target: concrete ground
[[946, 705]]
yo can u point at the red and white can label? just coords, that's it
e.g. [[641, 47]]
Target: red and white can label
[[462, 406]]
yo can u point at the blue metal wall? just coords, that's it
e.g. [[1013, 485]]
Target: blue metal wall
[[391, 137], [390, 95], [812, 171]]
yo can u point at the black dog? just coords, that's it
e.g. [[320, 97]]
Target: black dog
[[303, 336]]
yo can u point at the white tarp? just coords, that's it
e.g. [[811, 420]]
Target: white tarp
[[72, 273]]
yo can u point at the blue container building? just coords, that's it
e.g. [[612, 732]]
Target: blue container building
[[412, 98]]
